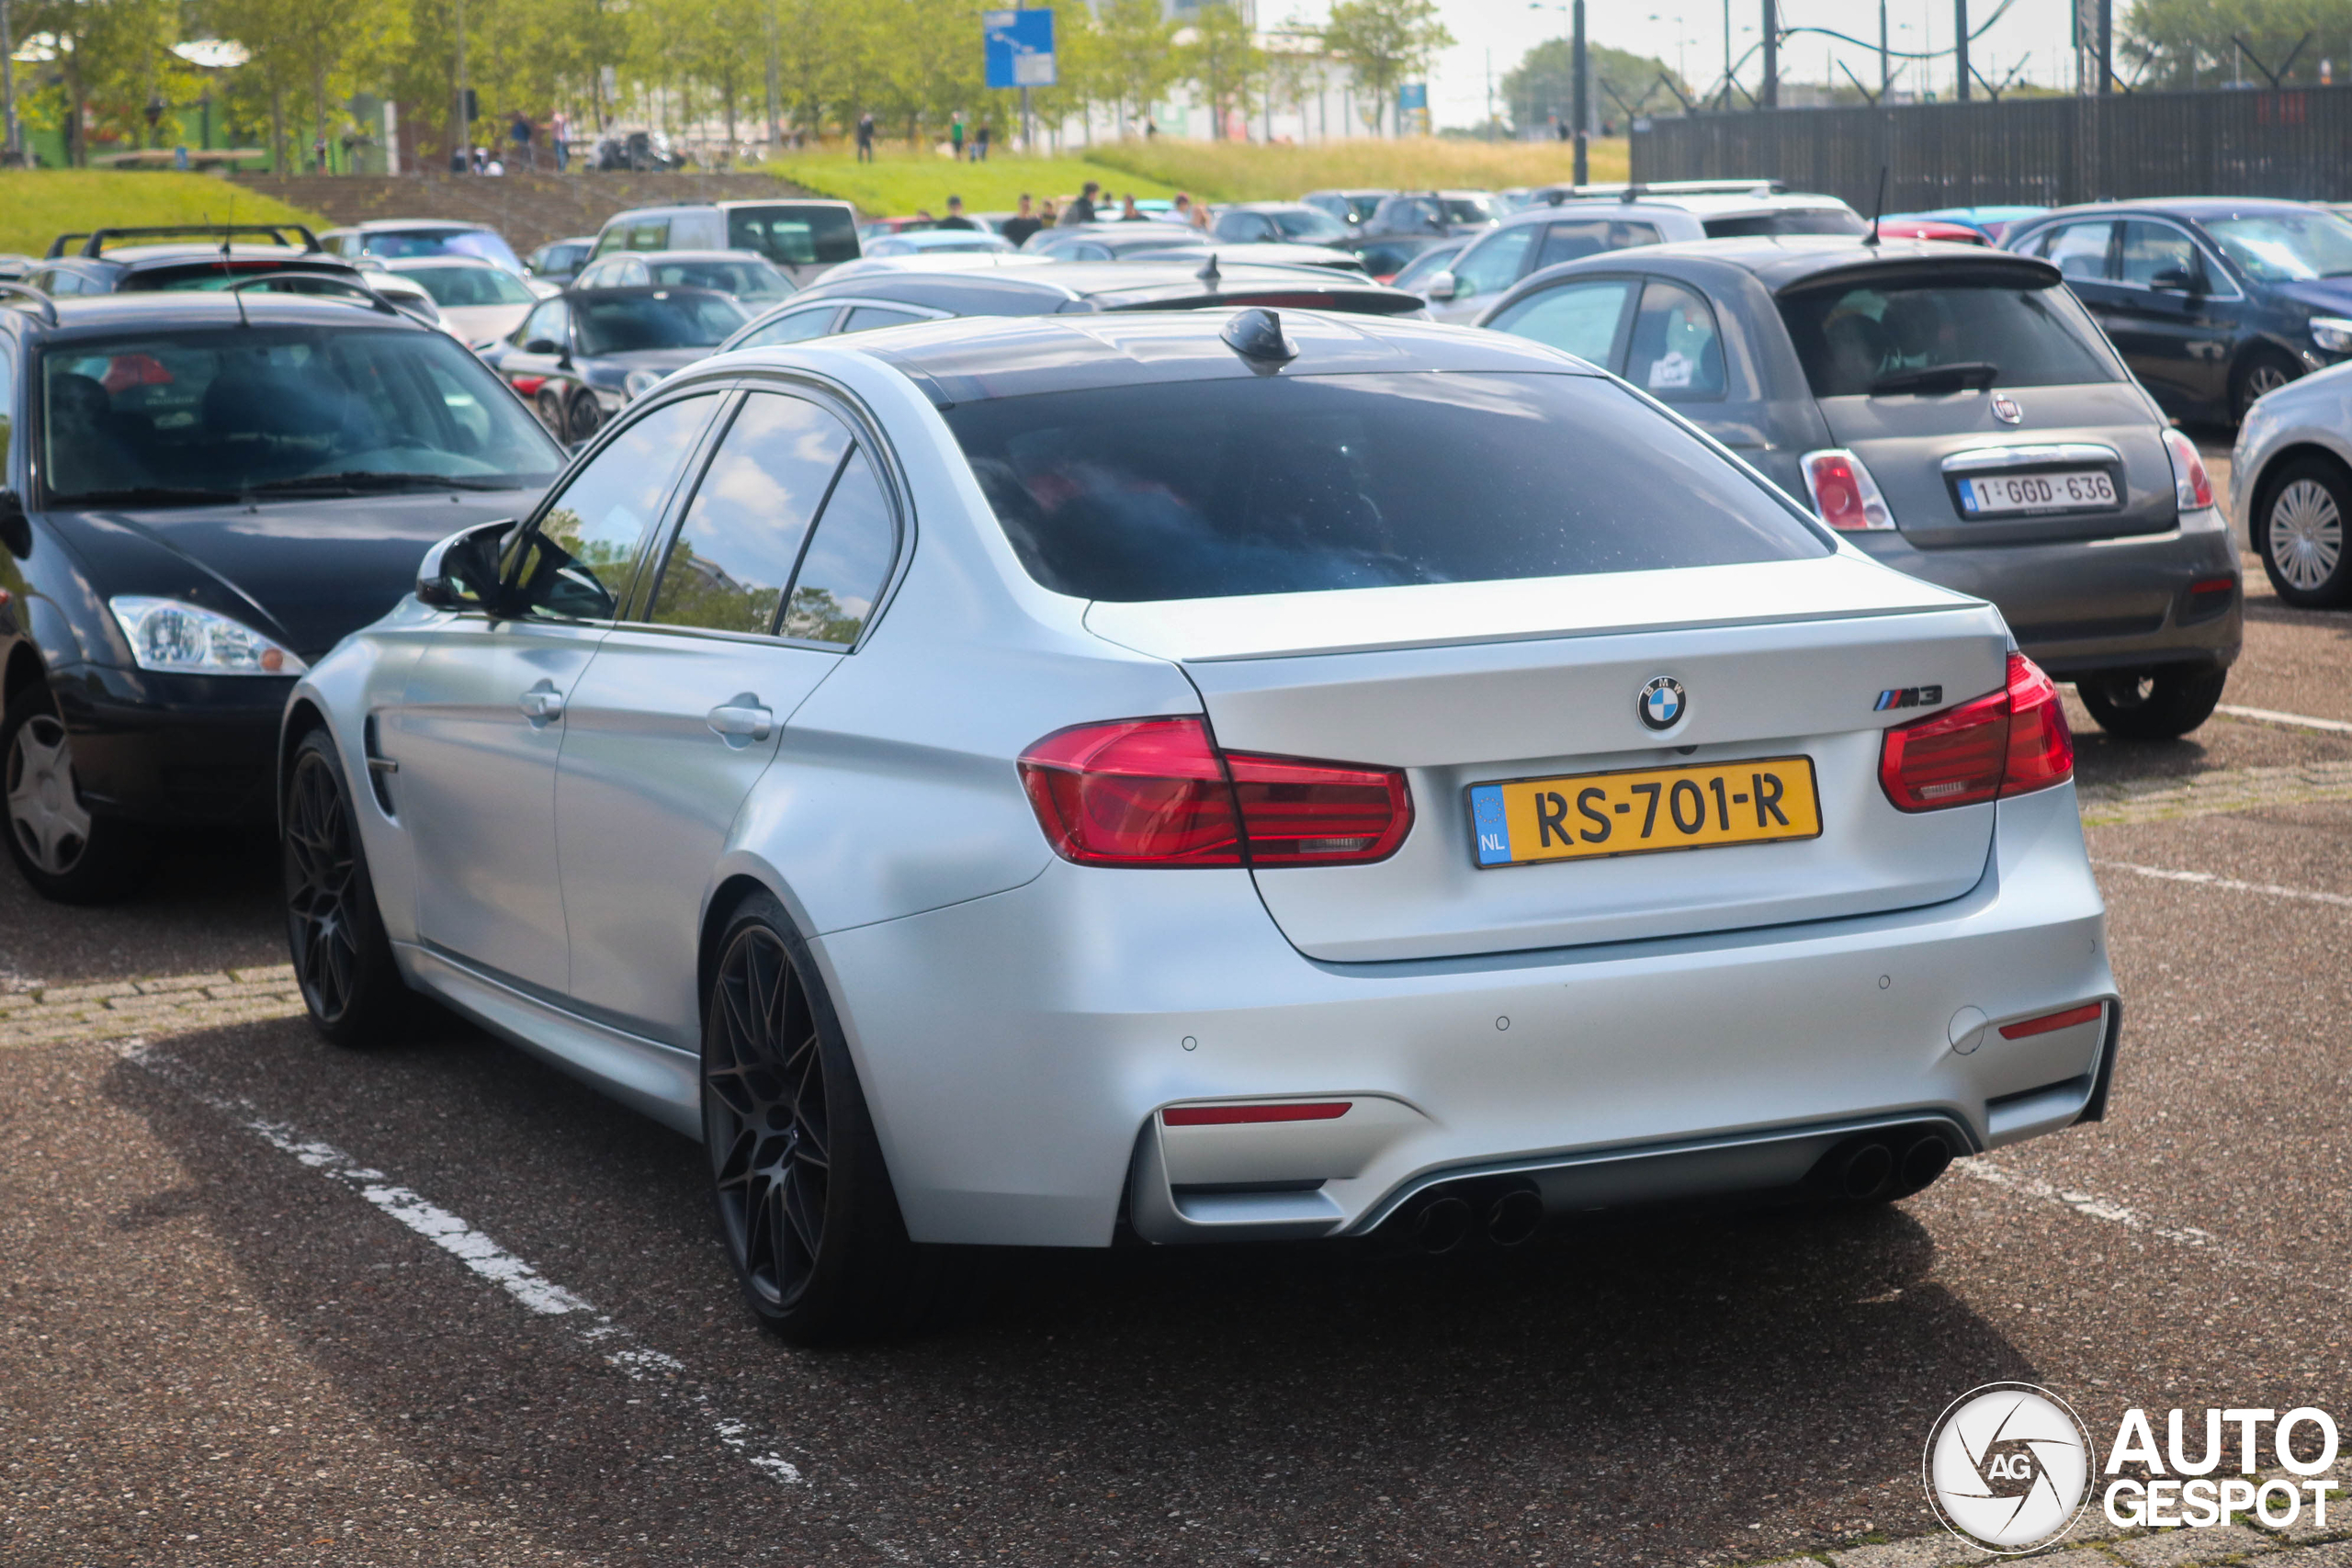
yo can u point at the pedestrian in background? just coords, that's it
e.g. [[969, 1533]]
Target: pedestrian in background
[[866, 137], [956, 218], [559, 138], [955, 135], [1082, 206], [980, 139], [1129, 212], [526, 155], [1022, 224], [1046, 218], [1182, 208]]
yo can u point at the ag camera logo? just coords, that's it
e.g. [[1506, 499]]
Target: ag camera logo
[[2008, 1466]]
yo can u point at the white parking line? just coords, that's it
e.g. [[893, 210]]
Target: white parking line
[[2293, 720], [2230, 884], [620, 1349]]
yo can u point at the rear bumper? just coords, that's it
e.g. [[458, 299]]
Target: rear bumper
[[173, 749], [1019, 1085], [2082, 608]]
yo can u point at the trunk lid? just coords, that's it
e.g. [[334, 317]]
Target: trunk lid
[[1919, 447], [1469, 683]]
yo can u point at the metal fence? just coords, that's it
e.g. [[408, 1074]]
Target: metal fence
[[2046, 152]]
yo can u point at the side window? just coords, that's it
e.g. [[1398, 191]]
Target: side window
[[733, 554], [7, 410], [794, 326], [577, 562], [551, 323], [1676, 354], [652, 236], [1494, 263], [1576, 318], [863, 318], [1590, 237], [2079, 251], [2157, 255], [848, 560]]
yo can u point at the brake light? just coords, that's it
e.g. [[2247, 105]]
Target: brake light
[[1156, 792], [2010, 742], [2193, 487], [1844, 493]]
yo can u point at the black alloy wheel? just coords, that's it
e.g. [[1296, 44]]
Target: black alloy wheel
[[2151, 705], [805, 1206], [2264, 373], [585, 417], [343, 960], [547, 404], [69, 854]]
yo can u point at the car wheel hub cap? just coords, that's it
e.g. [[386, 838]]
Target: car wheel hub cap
[[2306, 534], [320, 872], [45, 808], [769, 1141]]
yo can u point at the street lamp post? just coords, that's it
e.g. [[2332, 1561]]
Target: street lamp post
[[1580, 64]]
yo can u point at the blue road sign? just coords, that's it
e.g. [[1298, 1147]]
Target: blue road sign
[[1020, 48]]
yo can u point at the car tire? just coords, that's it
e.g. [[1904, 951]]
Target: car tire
[[2265, 371], [2151, 705], [343, 960], [547, 404], [69, 854], [2299, 530], [804, 1201], [586, 416]]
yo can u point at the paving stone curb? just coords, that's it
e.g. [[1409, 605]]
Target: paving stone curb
[[35, 1014]]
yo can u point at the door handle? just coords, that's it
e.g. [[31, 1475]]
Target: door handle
[[743, 718], [542, 704]]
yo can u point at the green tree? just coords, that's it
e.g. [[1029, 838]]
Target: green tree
[[113, 56], [1623, 83], [1135, 47], [1384, 43], [2182, 43], [1219, 56]]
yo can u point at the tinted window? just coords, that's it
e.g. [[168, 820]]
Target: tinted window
[[652, 236], [1590, 237], [2077, 250], [1427, 265], [864, 318], [623, 323], [461, 286], [578, 562], [1307, 226], [793, 326], [551, 323], [1494, 263], [1798, 221], [1469, 209], [1851, 339], [848, 560], [282, 410], [734, 552], [7, 409], [744, 279], [2151, 250], [1294, 484], [1577, 318], [1676, 353], [794, 235], [2287, 247]]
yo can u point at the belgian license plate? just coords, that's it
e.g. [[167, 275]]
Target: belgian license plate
[[1645, 811], [2080, 489]]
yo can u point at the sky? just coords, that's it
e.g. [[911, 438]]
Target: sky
[[1689, 34]]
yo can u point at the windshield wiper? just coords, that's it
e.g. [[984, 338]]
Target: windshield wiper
[[369, 479], [149, 495], [1952, 377]]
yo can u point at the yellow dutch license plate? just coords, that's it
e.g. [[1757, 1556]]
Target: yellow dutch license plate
[[1645, 811]]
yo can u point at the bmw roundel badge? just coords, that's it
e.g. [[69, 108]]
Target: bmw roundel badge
[[1661, 703]]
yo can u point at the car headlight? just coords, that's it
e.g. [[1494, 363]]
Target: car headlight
[[2333, 334], [180, 639], [640, 382]]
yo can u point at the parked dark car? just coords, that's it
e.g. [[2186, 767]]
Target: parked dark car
[[580, 357], [1433, 212], [1278, 222], [1955, 414], [1350, 207], [2212, 301], [180, 256], [559, 261], [894, 299], [200, 494], [1387, 256]]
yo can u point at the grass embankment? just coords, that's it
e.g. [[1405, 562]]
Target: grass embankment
[[37, 204], [898, 183], [1231, 171]]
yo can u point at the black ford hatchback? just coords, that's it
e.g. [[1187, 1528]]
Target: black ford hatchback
[[199, 495]]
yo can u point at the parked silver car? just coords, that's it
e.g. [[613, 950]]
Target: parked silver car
[[2290, 480], [1215, 776]]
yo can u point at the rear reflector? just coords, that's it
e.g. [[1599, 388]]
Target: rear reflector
[[1156, 792], [1231, 1115], [2051, 1021], [2010, 742]]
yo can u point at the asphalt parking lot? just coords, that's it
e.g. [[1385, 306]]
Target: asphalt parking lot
[[269, 1302]]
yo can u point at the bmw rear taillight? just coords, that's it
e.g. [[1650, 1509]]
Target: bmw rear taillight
[[1156, 792], [2011, 742], [2193, 487], [1844, 493]]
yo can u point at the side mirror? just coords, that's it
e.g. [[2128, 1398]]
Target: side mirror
[[16, 528], [461, 571], [542, 345], [1445, 286], [2175, 279]]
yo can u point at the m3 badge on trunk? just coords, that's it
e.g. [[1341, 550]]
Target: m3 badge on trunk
[[1661, 703]]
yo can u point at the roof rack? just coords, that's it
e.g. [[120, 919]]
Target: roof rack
[[1631, 191], [92, 243], [13, 291]]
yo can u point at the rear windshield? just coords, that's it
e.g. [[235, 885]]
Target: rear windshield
[[1307, 226], [749, 280], [1793, 220], [202, 415], [469, 285], [1283, 484], [794, 235], [479, 242], [217, 274], [1854, 339], [623, 323]]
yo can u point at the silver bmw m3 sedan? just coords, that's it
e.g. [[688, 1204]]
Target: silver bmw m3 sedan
[[1212, 777]]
